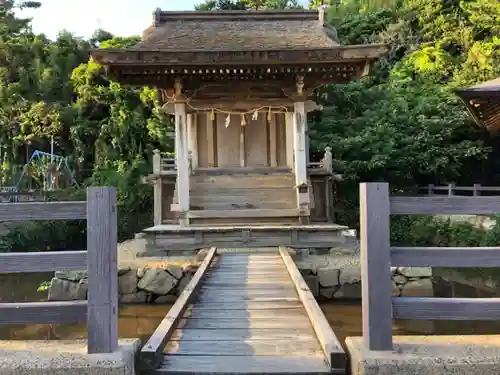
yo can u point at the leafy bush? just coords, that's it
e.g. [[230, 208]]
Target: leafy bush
[[134, 203], [431, 231]]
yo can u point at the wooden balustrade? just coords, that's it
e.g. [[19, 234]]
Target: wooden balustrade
[[100, 259], [379, 308]]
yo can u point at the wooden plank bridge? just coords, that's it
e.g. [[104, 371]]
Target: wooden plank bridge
[[245, 313]]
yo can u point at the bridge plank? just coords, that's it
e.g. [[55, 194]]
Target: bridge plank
[[243, 334], [152, 352], [249, 323], [248, 305], [331, 346], [294, 313], [300, 347], [251, 308], [187, 364]]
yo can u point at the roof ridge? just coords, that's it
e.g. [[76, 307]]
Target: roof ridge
[[161, 17]]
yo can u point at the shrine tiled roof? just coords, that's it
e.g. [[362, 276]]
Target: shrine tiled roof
[[237, 30]]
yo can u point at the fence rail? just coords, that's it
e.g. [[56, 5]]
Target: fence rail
[[377, 257], [453, 190], [101, 308]]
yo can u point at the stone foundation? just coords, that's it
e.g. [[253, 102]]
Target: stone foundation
[[332, 274], [336, 274], [66, 357], [142, 285], [428, 355]]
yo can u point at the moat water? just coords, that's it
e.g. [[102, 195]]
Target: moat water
[[140, 321]]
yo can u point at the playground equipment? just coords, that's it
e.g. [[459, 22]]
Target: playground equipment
[[49, 171], [53, 170]]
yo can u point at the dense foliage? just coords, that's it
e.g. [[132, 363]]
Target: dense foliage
[[402, 124]]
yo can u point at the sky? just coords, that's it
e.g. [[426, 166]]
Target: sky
[[120, 17], [83, 17]]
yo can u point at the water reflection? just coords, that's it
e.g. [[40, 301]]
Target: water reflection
[[140, 321]]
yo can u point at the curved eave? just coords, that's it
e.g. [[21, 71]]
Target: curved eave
[[484, 106], [131, 57]]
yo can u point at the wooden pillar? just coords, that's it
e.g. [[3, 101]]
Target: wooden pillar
[[211, 141], [242, 147], [182, 160], [308, 142], [299, 127], [158, 189], [289, 132], [273, 143], [192, 130]]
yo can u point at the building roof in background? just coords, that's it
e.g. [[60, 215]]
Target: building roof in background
[[483, 102], [237, 30]]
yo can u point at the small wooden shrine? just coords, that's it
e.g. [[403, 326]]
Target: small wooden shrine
[[483, 103], [239, 84]]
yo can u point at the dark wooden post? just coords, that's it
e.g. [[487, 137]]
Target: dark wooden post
[[376, 280], [102, 314]]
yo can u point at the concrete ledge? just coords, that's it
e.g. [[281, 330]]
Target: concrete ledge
[[65, 358], [428, 355]]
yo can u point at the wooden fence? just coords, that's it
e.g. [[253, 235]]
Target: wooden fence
[[451, 190], [100, 259], [377, 257]]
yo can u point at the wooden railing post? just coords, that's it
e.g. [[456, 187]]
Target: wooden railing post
[[451, 190], [328, 159], [376, 280], [430, 190], [156, 162], [102, 315], [157, 189], [476, 190]]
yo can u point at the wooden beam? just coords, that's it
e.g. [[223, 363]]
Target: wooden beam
[[228, 104], [422, 308], [375, 266], [70, 312], [465, 257], [151, 354], [445, 205], [43, 211], [246, 213], [331, 346], [43, 261], [102, 270]]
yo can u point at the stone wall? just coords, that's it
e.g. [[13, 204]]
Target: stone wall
[[336, 274], [142, 285], [332, 274]]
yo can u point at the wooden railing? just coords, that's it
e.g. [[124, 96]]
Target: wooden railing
[[100, 259], [326, 162], [377, 257], [451, 190]]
